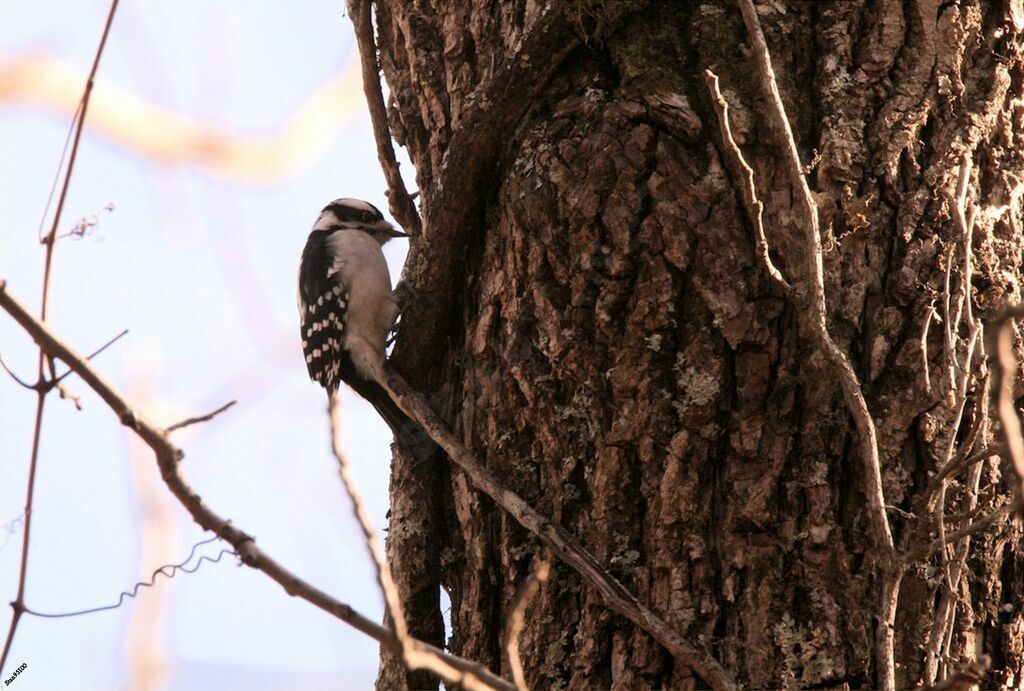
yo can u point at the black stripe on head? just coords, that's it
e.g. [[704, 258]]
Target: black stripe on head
[[356, 212]]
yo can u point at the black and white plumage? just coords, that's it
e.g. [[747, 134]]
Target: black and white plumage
[[346, 307]]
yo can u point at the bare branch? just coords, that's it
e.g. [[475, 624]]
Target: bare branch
[[399, 201], [373, 545], [617, 597], [743, 171], [414, 655], [472, 675], [514, 626], [202, 418]]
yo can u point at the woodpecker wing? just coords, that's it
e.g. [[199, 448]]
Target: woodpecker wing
[[322, 305]]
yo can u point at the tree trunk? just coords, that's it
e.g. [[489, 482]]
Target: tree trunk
[[593, 318]]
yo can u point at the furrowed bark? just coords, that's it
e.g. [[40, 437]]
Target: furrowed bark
[[598, 324]]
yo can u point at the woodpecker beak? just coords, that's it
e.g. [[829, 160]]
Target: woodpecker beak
[[394, 232]]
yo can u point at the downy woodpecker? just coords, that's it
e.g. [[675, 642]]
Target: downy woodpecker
[[346, 308]]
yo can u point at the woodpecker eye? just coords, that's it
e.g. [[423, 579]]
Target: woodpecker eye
[[367, 217]]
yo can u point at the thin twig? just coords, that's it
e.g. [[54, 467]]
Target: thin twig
[[15, 377], [965, 225], [881, 534], [468, 674], [514, 626], [93, 354], [201, 418], [982, 523], [399, 201], [928, 317], [50, 242], [51, 237], [959, 464], [373, 545], [975, 508], [617, 597], [947, 322], [72, 126], [743, 171]]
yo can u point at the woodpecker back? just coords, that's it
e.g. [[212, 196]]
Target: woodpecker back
[[345, 303]]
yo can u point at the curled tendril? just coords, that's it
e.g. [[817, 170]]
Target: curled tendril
[[168, 571]]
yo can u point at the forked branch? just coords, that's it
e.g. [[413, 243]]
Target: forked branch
[[464, 672]]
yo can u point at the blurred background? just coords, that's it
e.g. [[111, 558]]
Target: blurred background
[[216, 133]]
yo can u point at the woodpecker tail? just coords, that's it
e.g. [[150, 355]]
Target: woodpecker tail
[[410, 436]]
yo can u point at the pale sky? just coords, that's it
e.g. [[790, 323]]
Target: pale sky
[[218, 130]]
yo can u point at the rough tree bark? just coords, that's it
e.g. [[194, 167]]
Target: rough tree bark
[[593, 318]]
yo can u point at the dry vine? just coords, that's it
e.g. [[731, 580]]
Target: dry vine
[[958, 456], [814, 308], [45, 385]]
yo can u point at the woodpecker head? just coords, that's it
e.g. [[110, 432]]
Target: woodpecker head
[[355, 214]]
